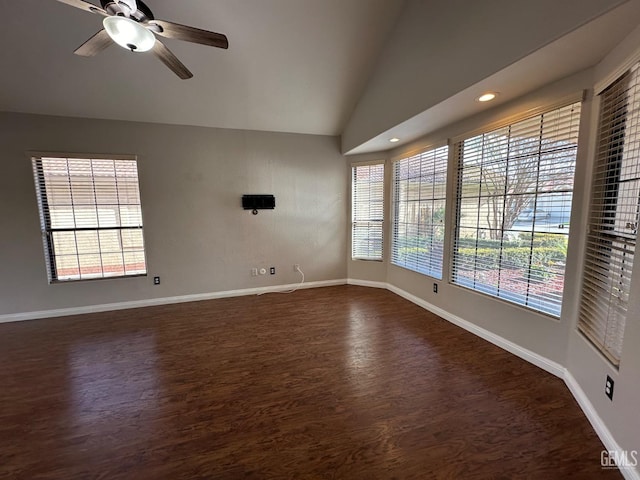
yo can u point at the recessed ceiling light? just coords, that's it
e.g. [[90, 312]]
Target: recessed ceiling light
[[487, 97], [394, 140]]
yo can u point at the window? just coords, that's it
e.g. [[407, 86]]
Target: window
[[514, 195], [367, 204], [613, 218], [91, 217], [419, 194]]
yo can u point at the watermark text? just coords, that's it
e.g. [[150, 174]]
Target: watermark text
[[619, 458]]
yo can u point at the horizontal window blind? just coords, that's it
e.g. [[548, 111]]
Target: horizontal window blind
[[613, 218], [91, 217], [515, 186], [419, 197], [367, 205]]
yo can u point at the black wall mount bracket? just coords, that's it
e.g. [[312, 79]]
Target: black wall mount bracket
[[258, 202]]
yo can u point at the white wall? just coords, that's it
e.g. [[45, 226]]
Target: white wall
[[198, 238]]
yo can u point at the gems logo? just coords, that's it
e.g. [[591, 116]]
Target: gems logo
[[619, 458]]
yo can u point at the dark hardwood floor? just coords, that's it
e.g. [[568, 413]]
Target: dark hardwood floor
[[330, 383]]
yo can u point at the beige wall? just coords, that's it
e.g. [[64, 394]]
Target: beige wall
[[428, 58], [554, 339], [539, 333], [198, 238], [588, 367], [369, 270]]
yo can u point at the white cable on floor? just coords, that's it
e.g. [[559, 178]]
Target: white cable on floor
[[299, 270]]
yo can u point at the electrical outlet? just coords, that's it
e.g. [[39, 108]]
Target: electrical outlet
[[296, 267], [254, 272], [263, 271], [435, 288], [156, 280], [608, 387], [272, 270]]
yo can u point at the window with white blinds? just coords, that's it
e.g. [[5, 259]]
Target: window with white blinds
[[367, 207], [613, 218], [419, 197], [91, 217], [515, 186]]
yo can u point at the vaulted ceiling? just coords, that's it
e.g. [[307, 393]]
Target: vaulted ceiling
[[292, 65], [431, 70], [364, 69]]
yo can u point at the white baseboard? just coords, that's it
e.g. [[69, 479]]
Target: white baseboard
[[62, 312], [598, 425], [367, 283], [550, 366], [531, 357]]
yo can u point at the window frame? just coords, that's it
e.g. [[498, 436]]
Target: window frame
[[48, 230], [603, 305], [539, 306], [430, 164], [367, 217]]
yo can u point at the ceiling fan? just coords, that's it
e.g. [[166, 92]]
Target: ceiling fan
[[131, 24]]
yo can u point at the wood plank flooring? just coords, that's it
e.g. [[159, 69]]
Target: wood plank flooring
[[330, 383]]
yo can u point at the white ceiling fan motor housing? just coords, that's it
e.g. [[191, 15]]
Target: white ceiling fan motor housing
[[124, 8]]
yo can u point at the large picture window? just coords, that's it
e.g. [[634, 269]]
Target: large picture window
[[91, 217], [419, 197], [613, 218], [514, 194], [367, 206]]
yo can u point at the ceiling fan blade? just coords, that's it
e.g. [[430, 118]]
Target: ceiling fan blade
[[86, 6], [94, 45], [188, 34], [171, 61]]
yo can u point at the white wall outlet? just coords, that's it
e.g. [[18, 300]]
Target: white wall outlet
[[263, 271], [254, 272], [296, 267]]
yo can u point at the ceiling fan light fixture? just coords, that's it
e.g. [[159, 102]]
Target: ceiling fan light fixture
[[129, 34]]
